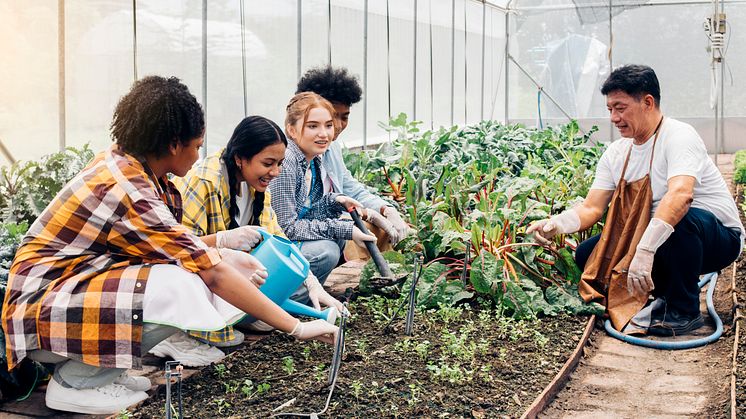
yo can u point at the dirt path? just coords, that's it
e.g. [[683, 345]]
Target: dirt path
[[618, 380]]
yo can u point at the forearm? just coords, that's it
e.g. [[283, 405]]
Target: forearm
[[228, 283], [673, 207], [588, 216]]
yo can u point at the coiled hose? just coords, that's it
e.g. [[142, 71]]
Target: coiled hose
[[710, 278]]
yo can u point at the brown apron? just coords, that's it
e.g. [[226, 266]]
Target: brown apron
[[605, 276]]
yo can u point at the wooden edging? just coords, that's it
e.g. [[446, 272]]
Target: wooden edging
[[559, 380], [734, 370]]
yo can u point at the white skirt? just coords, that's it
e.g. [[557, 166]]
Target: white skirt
[[176, 297]]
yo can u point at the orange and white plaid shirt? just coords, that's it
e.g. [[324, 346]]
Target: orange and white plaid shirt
[[77, 281]]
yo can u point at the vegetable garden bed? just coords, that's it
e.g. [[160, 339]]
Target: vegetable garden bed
[[459, 362]]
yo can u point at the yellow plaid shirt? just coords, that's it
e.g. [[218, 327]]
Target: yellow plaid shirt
[[206, 204], [77, 281]]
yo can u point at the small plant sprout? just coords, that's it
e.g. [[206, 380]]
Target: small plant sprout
[[362, 347], [414, 393], [288, 365], [357, 389], [222, 405], [247, 387], [423, 349], [319, 372], [231, 386], [124, 414], [306, 353], [449, 314], [221, 370]]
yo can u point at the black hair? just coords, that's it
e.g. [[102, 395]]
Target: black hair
[[634, 80], [333, 84], [252, 135], [156, 113]]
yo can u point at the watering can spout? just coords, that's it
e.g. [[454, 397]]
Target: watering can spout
[[287, 268]]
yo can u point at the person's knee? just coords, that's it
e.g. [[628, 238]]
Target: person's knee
[[324, 257]]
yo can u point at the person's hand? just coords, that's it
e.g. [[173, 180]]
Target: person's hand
[[320, 330], [392, 215], [360, 238], [348, 202], [379, 221], [318, 295], [639, 279], [564, 223], [246, 264], [241, 238]]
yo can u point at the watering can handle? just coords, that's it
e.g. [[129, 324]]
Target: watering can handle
[[265, 234], [299, 259]]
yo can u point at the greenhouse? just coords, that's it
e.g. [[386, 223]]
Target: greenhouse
[[350, 208]]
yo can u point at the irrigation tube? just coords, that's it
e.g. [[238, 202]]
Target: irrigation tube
[[687, 344]]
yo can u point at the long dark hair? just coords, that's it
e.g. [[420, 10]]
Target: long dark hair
[[251, 136]]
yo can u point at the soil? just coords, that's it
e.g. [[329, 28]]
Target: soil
[[741, 352], [457, 363]]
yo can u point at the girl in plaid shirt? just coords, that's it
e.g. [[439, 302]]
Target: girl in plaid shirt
[[307, 208]]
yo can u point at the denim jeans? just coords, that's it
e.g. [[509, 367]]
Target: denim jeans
[[323, 255]]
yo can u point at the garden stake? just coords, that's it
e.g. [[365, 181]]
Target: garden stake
[[467, 257], [418, 258], [401, 304], [179, 368], [339, 346]]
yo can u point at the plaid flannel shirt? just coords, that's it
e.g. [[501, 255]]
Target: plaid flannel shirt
[[320, 221], [77, 281], [206, 203]]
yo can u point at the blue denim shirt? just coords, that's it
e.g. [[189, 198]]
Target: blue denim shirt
[[343, 182]]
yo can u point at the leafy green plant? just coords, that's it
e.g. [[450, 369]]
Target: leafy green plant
[[739, 163], [288, 365]]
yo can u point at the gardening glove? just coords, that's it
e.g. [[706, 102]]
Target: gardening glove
[[392, 215], [319, 329], [246, 264], [241, 238], [564, 223], [639, 276], [348, 202], [360, 238], [318, 295], [379, 221]]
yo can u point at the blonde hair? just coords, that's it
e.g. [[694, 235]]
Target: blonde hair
[[299, 107]]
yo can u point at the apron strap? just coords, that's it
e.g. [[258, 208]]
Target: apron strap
[[629, 151]]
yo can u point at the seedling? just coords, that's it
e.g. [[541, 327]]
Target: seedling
[[222, 405], [357, 388], [288, 365], [306, 353], [221, 370]]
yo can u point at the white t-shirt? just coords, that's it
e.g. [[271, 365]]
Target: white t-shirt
[[245, 204], [678, 151]]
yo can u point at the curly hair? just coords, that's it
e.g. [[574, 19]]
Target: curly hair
[[334, 84], [156, 113], [252, 135]]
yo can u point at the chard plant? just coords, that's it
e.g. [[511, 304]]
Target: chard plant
[[482, 185]]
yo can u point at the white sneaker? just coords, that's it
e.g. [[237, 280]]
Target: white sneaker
[[259, 326], [183, 348], [93, 401], [133, 382]]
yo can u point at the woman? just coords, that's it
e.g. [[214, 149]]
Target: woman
[[108, 270], [225, 199], [307, 209]]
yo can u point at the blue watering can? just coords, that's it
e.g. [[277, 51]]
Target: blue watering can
[[286, 269]]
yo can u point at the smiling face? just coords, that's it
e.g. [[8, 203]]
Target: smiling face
[[632, 117], [260, 169], [315, 134]]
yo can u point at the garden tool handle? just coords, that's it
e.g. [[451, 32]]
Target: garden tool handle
[[375, 254]]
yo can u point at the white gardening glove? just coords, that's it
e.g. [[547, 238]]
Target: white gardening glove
[[392, 215], [318, 295], [319, 329], [639, 276], [565, 223], [245, 263], [241, 238], [360, 238], [379, 221], [348, 202]]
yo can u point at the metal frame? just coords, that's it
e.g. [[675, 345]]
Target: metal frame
[[505, 71]]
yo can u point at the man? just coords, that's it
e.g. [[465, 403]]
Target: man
[[659, 168], [342, 89]]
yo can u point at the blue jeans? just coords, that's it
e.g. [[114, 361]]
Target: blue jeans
[[323, 255]]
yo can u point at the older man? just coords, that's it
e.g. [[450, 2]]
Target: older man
[[670, 216]]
